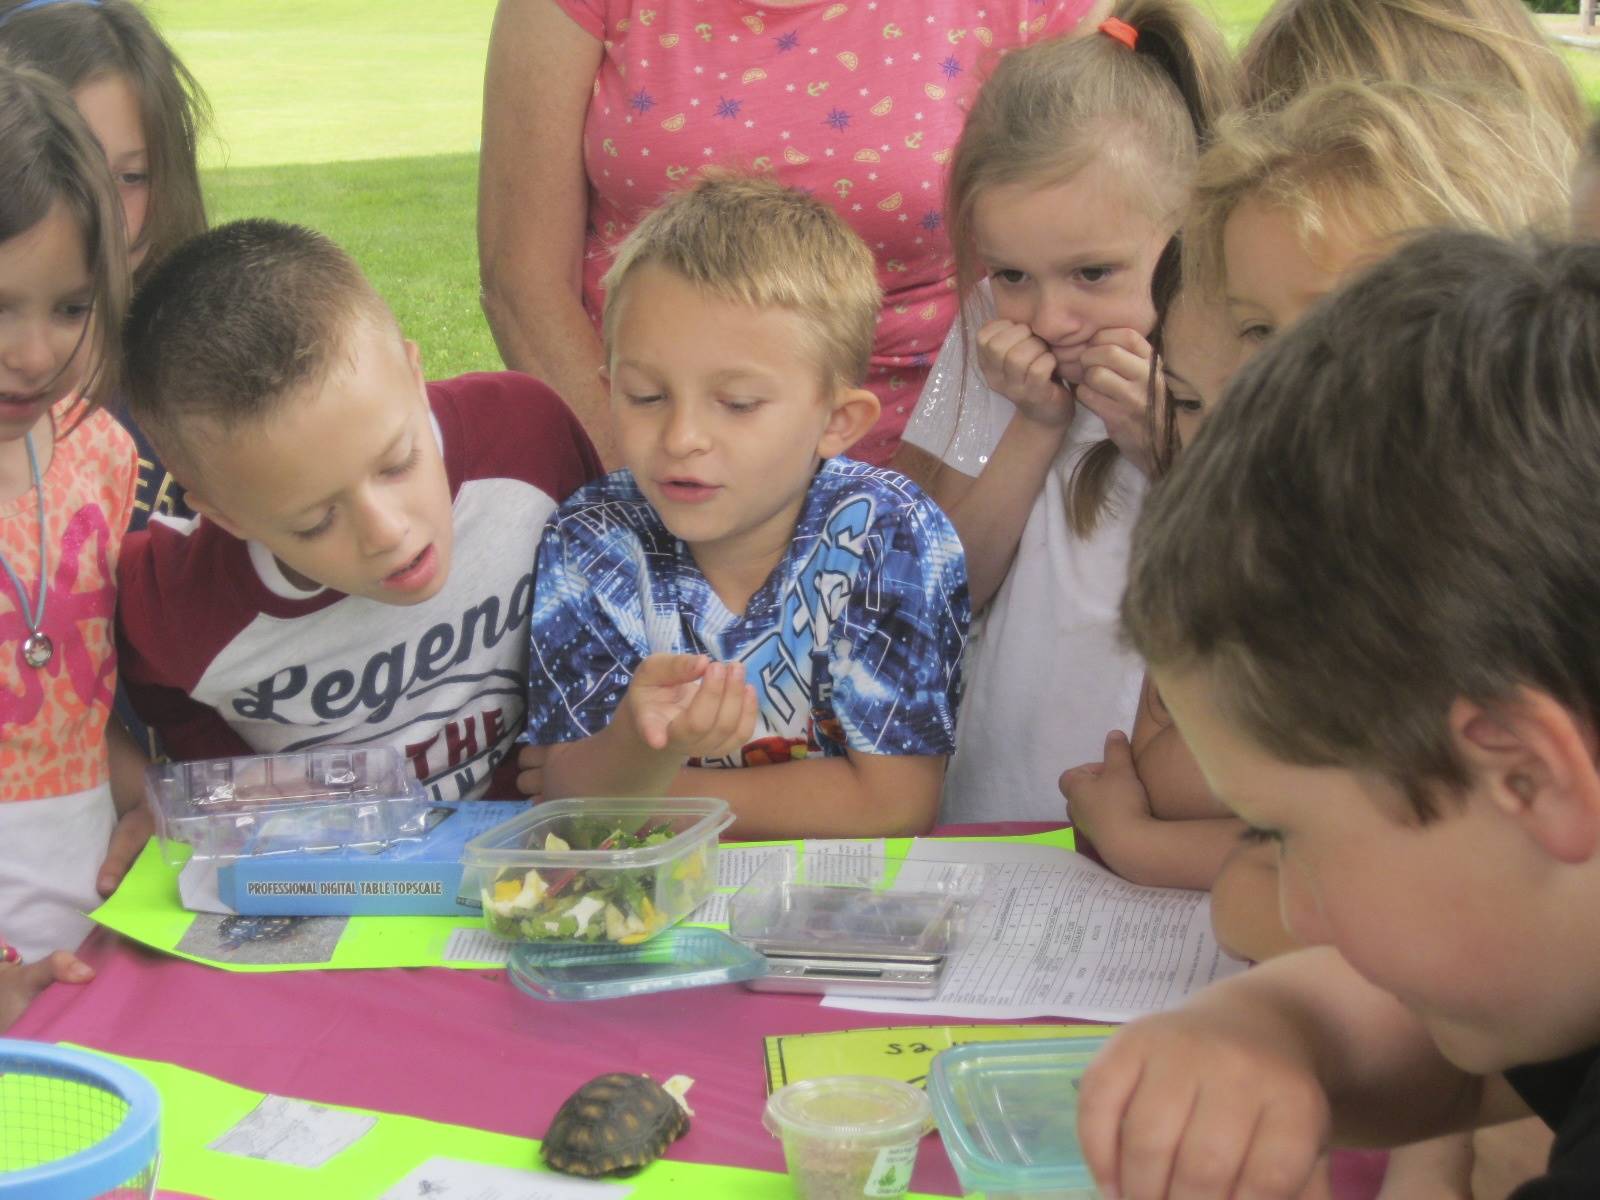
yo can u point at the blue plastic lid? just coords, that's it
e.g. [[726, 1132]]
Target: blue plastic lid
[[683, 957], [1008, 1113]]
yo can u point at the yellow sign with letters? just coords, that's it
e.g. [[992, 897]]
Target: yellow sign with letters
[[902, 1052]]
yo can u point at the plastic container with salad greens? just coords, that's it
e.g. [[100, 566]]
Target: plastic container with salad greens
[[597, 870]]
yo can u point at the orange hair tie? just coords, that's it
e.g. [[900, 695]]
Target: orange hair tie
[[1120, 31]]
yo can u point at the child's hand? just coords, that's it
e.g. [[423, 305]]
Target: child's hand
[[530, 771], [21, 982], [1116, 388], [1022, 368], [692, 706], [1202, 1103], [1106, 800], [128, 836], [1245, 916]]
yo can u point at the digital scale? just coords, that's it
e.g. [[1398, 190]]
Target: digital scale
[[909, 976], [849, 926]]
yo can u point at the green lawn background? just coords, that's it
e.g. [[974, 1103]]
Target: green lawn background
[[360, 118]]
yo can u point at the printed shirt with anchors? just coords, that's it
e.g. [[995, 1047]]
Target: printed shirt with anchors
[[854, 640]]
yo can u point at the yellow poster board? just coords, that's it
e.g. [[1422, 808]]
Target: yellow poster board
[[902, 1052]]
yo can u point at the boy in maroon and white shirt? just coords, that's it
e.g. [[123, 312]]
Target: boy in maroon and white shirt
[[362, 564]]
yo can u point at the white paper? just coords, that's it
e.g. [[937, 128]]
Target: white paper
[[197, 887], [844, 860], [456, 1179], [293, 1132], [476, 946], [891, 1171], [735, 864], [1056, 935], [713, 910], [959, 853]]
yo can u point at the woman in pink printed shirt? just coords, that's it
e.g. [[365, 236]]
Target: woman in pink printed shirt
[[594, 108]]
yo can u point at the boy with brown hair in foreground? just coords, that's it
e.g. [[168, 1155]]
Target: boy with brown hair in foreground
[[1367, 598]]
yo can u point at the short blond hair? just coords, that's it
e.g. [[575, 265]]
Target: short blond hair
[[754, 242], [1382, 160], [1493, 43]]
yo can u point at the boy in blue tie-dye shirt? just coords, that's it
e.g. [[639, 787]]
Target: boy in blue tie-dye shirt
[[742, 595]]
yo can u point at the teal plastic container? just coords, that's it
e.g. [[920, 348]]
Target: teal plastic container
[[1008, 1113], [682, 957]]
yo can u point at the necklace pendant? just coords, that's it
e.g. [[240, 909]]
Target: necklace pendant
[[37, 651]]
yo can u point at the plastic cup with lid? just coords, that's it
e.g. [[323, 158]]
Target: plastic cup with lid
[[849, 1137]]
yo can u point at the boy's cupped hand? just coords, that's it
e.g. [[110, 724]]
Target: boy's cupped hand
[[692, 706], [1204, 1103]]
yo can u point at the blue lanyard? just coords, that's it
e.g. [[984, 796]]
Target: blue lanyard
[[32, 619]]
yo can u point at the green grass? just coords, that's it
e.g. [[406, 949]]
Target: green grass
[[408, 221], [1237, 17], [1585, 65], [358, 118], [302, 81], [361, 118]]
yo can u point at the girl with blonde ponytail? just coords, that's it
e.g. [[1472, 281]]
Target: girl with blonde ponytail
[[1072, 173]]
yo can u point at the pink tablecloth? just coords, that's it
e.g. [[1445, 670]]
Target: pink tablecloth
[[464, 1046]]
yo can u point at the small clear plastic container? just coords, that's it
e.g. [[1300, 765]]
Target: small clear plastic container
[[596, 870], [327, 799], [835, 903], [846, 1137], [1008, 1113], [682, 957]]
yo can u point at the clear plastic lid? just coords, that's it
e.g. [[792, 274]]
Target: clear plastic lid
[[524, 841], [326, 799], [838, 903], [678, 958], [1008, 1114], [860, 1111]]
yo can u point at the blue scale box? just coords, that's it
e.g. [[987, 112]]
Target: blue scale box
[[421, 877]]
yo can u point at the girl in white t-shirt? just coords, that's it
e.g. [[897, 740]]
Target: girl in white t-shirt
[[1068, 183]]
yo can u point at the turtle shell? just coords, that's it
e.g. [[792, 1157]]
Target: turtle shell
[[613, 1125]]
